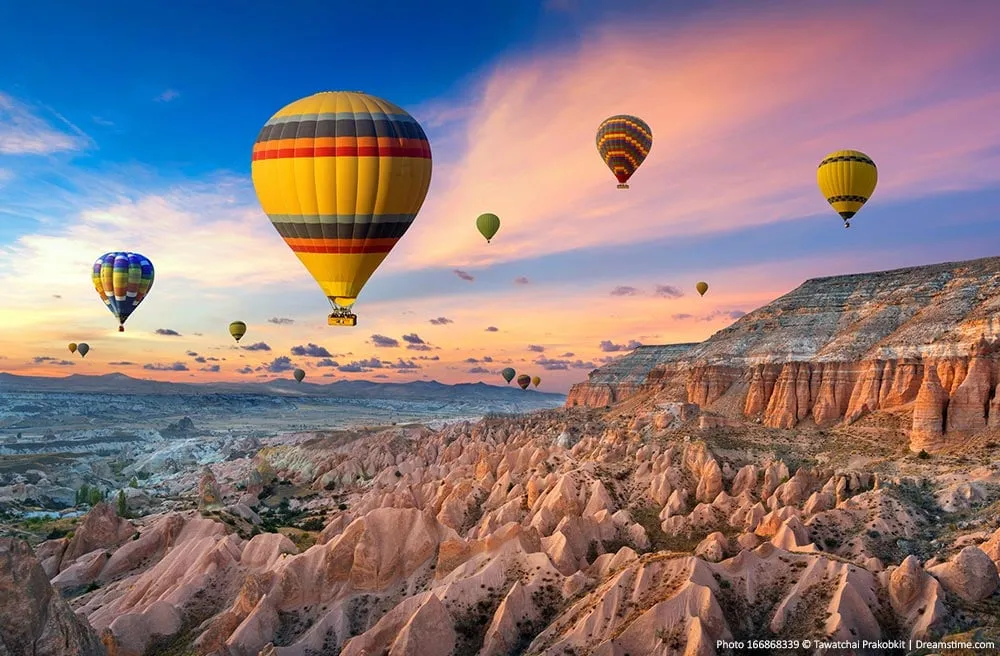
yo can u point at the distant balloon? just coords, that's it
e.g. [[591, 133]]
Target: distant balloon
[[624, 142], [342, 176], [237, 329], [488, 225], [523, 381], [299, 375], [508, 374], [122, 280], [536, 381], [847, 179], [83, 349], [72, 347], [702, 287]]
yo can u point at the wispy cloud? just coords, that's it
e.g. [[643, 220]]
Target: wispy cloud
[[170, 332], [49, 360], [522, 280], [492, 329], [668, 291], [464, 275], [624, 290], [24, 132], [730, 155], [167, 96], [176, 366], [281, 321], [536, 348], [441, 321]]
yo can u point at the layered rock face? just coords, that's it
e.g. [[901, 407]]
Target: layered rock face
[[838, 348], [623, 377]]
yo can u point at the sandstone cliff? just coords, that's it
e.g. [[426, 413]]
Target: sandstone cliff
[[838, 348], [624, 376]]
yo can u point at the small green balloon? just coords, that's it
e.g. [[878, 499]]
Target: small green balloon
[[488, 225]]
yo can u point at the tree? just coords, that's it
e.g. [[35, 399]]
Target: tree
[[134, 482], [122, 504]]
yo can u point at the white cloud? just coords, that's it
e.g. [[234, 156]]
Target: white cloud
[[168, 95], [24, 132], [197, 234]]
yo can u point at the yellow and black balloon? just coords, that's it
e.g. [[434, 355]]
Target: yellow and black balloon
[[847, 179], [237, 329], [341, 175], [624, 142]]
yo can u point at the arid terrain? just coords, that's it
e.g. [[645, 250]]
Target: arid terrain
[[826, 469]]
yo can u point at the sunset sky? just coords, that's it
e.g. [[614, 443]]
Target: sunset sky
[[131, 129]]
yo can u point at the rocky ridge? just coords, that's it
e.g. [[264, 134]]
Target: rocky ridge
[[920, 342]]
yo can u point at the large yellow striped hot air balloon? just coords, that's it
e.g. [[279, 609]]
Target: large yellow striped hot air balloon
[[847, 179], [341, 175]]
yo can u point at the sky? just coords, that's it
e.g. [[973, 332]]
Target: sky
[[128, 127]]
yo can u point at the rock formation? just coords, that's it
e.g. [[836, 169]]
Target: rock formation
[[624, 376], [836, 349], [33, 618]]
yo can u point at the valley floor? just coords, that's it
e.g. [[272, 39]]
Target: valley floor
[[559, 532]]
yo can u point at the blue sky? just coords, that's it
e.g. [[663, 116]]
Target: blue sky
[[131, 128]]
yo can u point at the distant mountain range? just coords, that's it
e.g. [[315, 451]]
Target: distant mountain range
[[418, 390]]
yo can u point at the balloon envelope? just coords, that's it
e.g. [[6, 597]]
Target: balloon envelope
[[83, 349], [523, 381], [299, 375], [508, 374], [702, 287], [237, 329], [847, 179], [122, 280], [623, 142], [342, 176], [72, 347], [488, 225], [536, 381]]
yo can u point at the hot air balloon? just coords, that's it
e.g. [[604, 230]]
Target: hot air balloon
[[488, 225], [702, 287], [123, 280], [341, 175], [508, 374], [83, 349], [299, 375], [72, 347], [624, 142], [847, 179], [523, 381], [536, 381], [237, 329]]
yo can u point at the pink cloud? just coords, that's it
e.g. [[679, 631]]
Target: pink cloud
[[741, 110]]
